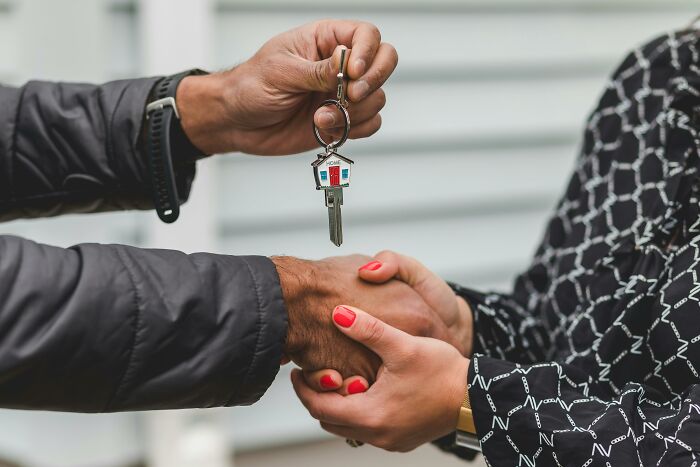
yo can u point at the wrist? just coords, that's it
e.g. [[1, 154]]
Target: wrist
[[466, 325], [203, 113], [298, 283]]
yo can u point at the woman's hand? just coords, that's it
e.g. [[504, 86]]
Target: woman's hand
[[452, 309], [416, 398], [265, 105]]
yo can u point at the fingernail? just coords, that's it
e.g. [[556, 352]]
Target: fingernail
[[371, 266], [360, 65], [356, 387], [327, 119], [327, 382], [361, 88], [343, 316]]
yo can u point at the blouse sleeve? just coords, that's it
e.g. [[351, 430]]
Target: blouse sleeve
[[546, 414]]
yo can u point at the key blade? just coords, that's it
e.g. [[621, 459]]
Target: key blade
[[334, 199], [336, 225]]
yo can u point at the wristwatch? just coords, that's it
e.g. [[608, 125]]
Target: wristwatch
[[167, 145], [466, 431]]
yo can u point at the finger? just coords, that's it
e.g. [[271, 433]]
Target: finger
[[379, 270], [365, 44], [412, 272], [353, 385], [366, 128], [328, 407], [363, 38], [323, 380], [321, 75], [386, 341], [378, 72], [361, 130], [330, 116]]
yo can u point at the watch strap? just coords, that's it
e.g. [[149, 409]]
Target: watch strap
[[164, 140], [466, 430]]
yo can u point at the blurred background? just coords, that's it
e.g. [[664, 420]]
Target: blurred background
[[482, 126]]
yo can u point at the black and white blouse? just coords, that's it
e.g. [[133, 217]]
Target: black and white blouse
[[594, 358]]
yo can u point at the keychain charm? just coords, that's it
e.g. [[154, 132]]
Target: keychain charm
[[331, 170]]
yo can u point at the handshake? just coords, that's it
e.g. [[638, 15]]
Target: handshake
[[374, 336]]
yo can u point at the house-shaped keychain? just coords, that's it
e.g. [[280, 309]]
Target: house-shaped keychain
[[332, 170]]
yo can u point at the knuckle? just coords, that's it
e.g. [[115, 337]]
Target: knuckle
[[393, 53], [374, 30], [387, 255], [381, 99], [374, 332]]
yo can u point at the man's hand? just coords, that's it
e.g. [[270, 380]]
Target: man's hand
[[265, 106], [312, 289]]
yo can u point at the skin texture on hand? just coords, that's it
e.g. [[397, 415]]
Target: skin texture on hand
[[266, 105], [311, 291], [417, 395]]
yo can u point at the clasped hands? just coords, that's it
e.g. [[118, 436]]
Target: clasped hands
[[383, 344]]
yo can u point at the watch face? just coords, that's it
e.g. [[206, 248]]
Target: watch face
[[467, 440]]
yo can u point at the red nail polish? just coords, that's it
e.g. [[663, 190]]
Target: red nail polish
[[327, 382], [356, 387], [371, 266], [344, 316]]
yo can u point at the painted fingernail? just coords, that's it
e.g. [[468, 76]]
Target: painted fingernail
[[327, 119], [360, 65], [327, 382], [361, 88], [356, 387], [371, 266], [344, 316]]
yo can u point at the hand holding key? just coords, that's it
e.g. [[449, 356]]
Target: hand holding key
[[265, 105]]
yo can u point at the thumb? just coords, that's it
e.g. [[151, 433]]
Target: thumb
[[322, 75], [376, 335], [391, 265]]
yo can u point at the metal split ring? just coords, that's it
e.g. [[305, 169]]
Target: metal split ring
[[346, 131]]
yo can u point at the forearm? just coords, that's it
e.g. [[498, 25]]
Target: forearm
[[75, 148], [101, 328]]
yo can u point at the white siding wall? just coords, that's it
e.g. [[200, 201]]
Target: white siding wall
[[482, 124]]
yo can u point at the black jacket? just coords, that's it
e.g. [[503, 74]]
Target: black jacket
[[103, 328]]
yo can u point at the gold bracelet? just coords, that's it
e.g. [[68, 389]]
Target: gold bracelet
[[466, 418]]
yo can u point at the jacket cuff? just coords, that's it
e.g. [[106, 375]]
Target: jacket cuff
[[271, 331], [126, 137]]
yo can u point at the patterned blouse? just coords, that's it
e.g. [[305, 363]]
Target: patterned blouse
[[594, 358]]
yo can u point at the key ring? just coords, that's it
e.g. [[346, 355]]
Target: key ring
[[346, 131]]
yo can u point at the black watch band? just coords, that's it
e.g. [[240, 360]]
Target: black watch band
[[163, 136]]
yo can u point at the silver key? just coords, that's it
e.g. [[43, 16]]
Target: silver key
[[334, 200]]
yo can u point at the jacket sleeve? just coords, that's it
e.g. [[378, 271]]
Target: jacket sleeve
[[76, 148], [104, 328]]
